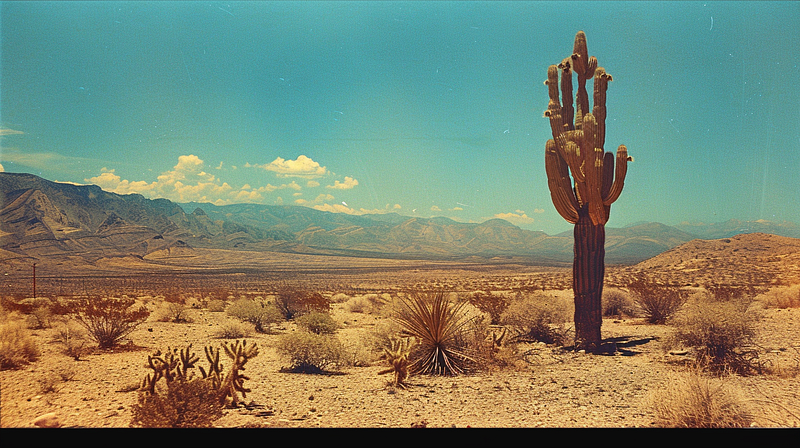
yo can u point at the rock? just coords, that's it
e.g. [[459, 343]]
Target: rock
[[49, 420]]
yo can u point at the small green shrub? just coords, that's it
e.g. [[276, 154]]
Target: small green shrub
[[312, 353], [17, 347], [317, 322], [216, 305], [257, 312], [538, 317]]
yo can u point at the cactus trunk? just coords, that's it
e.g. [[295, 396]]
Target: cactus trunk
[[588, 269]]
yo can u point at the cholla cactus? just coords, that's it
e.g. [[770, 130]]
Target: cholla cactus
[[397, 356], [172, 365], [228, 384], [584, 199]]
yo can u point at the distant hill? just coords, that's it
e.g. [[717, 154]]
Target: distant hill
[[735, 227], [44, 220]]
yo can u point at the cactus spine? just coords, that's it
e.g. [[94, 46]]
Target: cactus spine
[[596, 181]]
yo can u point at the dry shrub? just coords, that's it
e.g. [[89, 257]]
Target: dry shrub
[[72, 337], [215, 305], [340, 298], [186, 404], [317, 322], [490, 303], [359, 304], [655, 301], [617, 302], [108, 319], [292, 302], [257, 312], [173, 312], [723, 333], [781, 297], [539, 317], [17, 347], [233, 330], [692, 400], [312, 353]]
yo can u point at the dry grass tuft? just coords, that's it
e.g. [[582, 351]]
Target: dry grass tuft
[[781, 297], [692, 400], [17, 347]]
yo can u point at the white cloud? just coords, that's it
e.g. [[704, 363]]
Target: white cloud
[[9, 132], [2, 170], [538, 210], [435, 209], [312, 184], [456, 209], [515, 218], [186, 182], [318, 200], [301, 167], [348, 183]]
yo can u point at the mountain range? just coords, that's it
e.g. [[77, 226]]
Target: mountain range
[[45, 220]]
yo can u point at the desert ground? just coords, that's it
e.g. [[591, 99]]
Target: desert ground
[[533, 384]]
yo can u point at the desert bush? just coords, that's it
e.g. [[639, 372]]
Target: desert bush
[[175, 312], [40, 316], [490, 303], [781, 297], [312, 353], [340, 298], [656, 302], [725, 293], [71, 336], [359, 304], [439, 327], [186, 404], [692, 400], [215, 305], [233, 330], [617, 302], [293, 302], [537, 317], [108, 319], [723, 333], [17, 347], [317, 322], [257, 312]]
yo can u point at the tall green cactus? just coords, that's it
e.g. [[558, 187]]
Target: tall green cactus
[[584, 199]]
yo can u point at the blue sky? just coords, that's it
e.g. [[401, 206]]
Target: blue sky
[[420, 108]]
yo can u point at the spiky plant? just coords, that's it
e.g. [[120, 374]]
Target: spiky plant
[[397, 356], [437, 325]]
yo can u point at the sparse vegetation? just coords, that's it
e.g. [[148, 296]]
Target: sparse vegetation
[[257, 312], [108, 319], [655, 301], [691, 400], [292, 302], [617, 303], [312, 353], [17, 347], [317, 322], [175, 312], [490, 303], [233, 329], [781, 297], [723, 332], [537, 317], [73, 339]]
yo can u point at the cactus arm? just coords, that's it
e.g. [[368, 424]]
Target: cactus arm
[[559, 183], [619, 175]]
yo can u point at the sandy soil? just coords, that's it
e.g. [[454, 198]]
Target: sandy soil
[[547, 387]]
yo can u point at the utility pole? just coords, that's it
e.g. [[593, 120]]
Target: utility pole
[[34, 280]]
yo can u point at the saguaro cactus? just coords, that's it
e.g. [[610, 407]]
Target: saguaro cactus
[[584, 199]]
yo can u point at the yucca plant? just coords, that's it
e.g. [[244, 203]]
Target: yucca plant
[[437, 325]]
